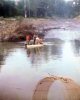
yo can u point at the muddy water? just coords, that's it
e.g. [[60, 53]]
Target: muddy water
[[41, 73]]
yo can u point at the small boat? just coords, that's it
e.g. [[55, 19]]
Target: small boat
[[34, 46]]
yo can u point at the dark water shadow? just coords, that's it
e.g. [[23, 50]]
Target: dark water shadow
[[5, 49], [42, 89], [76, 46]]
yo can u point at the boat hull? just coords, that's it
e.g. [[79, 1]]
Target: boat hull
[[34, 46]]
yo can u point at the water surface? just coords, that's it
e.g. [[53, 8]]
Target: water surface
[[22, 69]]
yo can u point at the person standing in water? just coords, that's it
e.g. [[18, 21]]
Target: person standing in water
[[28, 37], [34, 38]]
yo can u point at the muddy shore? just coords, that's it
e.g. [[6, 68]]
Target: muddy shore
[[15, 29]]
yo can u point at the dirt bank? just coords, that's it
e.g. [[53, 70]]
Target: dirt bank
[[16, 29], [7, 28]]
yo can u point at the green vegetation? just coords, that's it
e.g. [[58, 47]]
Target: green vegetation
[[39, 8]]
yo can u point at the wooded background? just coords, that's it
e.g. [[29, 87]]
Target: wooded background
[[39, 8]]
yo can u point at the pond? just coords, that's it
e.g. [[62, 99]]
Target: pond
[[22, 69]]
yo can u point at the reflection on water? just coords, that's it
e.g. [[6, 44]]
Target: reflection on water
[[68, 53], [76, 44], [40, 55], [22, 69], [5, 49]]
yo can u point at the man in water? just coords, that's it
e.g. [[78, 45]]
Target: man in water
[[28, 37], [34, 38]]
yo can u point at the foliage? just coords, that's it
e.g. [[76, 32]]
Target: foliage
[[39, 8]]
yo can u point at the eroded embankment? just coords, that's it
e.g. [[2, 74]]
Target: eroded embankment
[[16, 29]]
